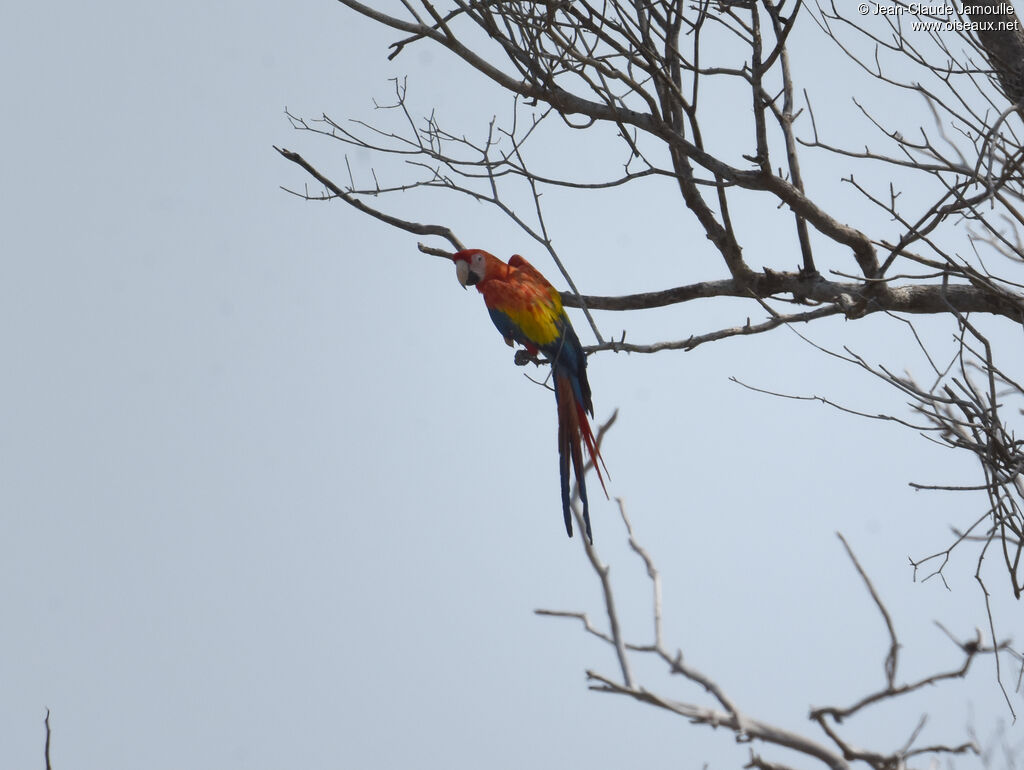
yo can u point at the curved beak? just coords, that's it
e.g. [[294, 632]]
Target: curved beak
[[462, 271]]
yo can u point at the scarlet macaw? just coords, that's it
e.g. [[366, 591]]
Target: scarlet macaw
[[528, 310]]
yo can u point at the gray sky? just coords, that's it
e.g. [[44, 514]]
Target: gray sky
[[272, 493]]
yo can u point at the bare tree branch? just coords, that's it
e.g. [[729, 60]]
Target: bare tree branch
[[412, 227], [728, 714], [892, 658], [943, 177], [46, 748]]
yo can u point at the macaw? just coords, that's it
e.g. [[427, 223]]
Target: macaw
[[528, 310]]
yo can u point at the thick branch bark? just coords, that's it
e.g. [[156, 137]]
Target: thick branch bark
[[1003, 44], [917, 299]]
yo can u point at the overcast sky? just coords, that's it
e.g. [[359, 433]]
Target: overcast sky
[[273, 495]]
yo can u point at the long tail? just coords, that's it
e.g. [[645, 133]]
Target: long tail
[[573, 426]]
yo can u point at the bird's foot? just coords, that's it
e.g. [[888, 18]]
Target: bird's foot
[[524, 357]]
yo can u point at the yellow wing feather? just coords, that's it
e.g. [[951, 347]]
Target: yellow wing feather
[[537, 308]]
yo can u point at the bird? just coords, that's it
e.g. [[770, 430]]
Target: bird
[[527, 309]]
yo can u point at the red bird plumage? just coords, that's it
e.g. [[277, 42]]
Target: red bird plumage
[[527, 309]]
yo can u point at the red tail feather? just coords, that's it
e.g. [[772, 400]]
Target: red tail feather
[[592, 449], [572, 427]]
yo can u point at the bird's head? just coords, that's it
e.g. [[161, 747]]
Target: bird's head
[[470, 266]]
